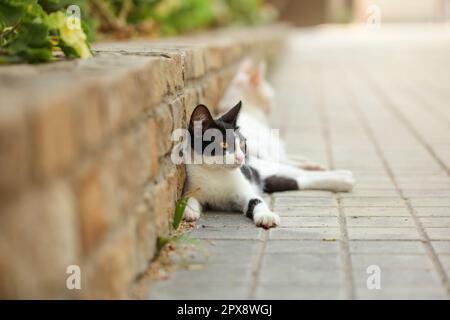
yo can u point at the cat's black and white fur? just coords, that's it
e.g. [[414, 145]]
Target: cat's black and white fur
[[238, 184], [234, 185]]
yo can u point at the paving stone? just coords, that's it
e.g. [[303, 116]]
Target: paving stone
[[364, 193], [305, 194], [293, 202], [441, 222], [362, 221], [305, 269], [389, 261], [432, 211], [243, 233], [325, 234], [438, 233], [445, 260], [302, 246], [289, 222], [307, 212], [211, 290], [386, 247], [398, 278], [373, 202], [290, 292], [214, 219], [383, 234], [414, 193], [376, 212], [441, 247], [430, 202], [403, 293]]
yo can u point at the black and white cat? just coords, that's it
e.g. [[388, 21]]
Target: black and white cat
[[227, 179], [233, 176]]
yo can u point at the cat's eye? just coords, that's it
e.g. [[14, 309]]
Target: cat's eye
[[224, 145]]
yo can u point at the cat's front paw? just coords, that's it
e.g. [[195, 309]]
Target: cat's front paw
[[191, 214], [344, 181], [266, 219]]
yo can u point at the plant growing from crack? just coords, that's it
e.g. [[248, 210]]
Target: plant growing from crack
[[177, 235]]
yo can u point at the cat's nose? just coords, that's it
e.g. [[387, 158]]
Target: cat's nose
[[240, 159]]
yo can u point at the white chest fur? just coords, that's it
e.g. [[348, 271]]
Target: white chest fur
[[219, 188]]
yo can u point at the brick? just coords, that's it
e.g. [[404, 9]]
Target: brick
[[14, 150], [164, 125], [152, 136], [145, 237], [307, 211], [91, 204], [178, 113], [40, 238], [109, 273], [89, 117], [53, 135]]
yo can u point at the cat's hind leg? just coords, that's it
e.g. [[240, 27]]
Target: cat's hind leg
[[282, 177], [335, 180], [193, 210]]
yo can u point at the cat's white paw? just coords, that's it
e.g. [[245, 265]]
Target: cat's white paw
[[343, 181], [265, 218], [191, 214]]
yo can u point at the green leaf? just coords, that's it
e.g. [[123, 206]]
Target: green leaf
[[179, 211]]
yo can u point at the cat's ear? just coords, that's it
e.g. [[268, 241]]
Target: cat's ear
[[232, 114], [202, 114], [246, 65], [258, 74]]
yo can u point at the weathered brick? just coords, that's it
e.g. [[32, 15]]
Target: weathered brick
[[145, 237], [91, 204], [164, 125], [39, 239], [54, 137], [152, 136], [14, 151], [89, 117], [110, 272]]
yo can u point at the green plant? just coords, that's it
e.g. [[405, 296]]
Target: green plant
[[28, 33], [176, 235], [32, 30]]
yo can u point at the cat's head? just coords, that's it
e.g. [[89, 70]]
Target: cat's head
[[251, 87], [218, 141]]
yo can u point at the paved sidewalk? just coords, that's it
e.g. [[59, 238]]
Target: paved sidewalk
[[376, 103]]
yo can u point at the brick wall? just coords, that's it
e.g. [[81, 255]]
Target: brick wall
[[85, 171]]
